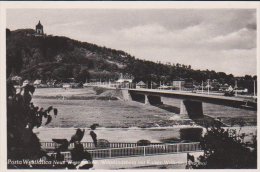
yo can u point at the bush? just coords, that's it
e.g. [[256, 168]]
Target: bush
[[102, 143], [143, 142], [225, 149], [22, 117], [98, 90], [191, 134]]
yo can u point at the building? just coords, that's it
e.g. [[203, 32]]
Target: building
[[125, 78], [39, 29], [125, 81], [141, 84], [224, 87], [178, 84]]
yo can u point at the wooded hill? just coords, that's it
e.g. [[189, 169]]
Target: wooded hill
[[54, 57]]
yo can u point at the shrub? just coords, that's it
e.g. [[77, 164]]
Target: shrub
[[143, 142], [102, 143], [98, 90], [191, 134], [225, 149], [22, 117]]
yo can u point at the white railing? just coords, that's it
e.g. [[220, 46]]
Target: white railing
[[90, 145], [140, 150]]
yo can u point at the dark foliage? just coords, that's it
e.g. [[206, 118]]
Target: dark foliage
[[22, 117], [143, 143], [64, 144], [103, 143], [23, 144], [94, 137], [78, 154], [99, 90], [77, 137], [94, 126], [191, 134], [225, 149]]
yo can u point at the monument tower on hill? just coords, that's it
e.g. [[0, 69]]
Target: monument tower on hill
[[39, 29]]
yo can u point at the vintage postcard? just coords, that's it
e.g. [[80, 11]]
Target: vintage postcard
[[129, 85]]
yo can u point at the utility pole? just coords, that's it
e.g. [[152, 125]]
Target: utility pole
[[202, 86], [235, 87], [208, 86]]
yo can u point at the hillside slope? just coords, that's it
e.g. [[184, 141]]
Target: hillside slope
[[60, 57], [54, 57]]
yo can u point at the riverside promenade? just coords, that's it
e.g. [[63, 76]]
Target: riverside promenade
[[176, 161]]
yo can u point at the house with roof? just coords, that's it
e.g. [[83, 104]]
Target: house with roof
[[141, 84]]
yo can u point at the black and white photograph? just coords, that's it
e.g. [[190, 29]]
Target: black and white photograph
[[142, 86]]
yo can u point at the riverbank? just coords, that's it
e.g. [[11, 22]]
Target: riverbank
[[132, 135]]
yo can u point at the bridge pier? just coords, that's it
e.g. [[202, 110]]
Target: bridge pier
[[144, 98], [192, 108], [183, 110], [138, 97], [146, 101], [154, 100], [126, 95]]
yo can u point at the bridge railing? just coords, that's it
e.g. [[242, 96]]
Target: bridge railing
[[140, 150], [90, 145]]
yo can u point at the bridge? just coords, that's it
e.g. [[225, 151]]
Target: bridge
[[191, 103]]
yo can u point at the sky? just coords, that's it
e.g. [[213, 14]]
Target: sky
[[223, 40]]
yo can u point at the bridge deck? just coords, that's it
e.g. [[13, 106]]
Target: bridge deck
[[237, 102]]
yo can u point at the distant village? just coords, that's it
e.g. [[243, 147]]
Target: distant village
[[127, 81]]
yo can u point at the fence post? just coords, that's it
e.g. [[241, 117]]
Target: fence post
[[177, 148], [144, 150], [110, 153]]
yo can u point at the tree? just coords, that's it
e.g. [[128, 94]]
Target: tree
[[8, 32], [82, 76], [22, 117], [192, 134], [226, 149]]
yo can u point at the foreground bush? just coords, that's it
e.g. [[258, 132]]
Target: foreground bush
[[143, 143], [225, 149], [191, 134]]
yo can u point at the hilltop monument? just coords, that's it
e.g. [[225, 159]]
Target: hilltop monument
[[39, 29]]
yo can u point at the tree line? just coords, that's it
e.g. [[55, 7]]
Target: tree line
[[59, 58]]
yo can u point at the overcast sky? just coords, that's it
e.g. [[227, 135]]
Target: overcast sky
[[220, 40]]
